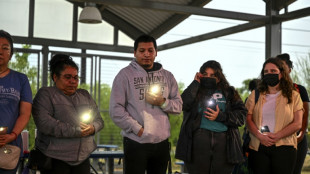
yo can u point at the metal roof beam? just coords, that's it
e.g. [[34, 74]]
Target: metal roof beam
[[243, 27], [292, 15], [212, 35], [174, 8], [175, 20], [69, 44]]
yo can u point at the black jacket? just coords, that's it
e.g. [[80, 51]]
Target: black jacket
[[233, 117]]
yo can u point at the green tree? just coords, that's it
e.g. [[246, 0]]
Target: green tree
[[301, 75], [243, 91], [110, 134], [301, 72], [175, 122], [21, 64]]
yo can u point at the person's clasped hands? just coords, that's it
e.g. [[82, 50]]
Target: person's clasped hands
[[268, 138], [86, 129]]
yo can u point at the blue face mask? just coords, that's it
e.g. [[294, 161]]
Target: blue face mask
[[208, 83], [271, 79]]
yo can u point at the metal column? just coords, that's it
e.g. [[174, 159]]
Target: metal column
[[273, 31], [45, 52]]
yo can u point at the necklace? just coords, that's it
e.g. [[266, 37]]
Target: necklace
[[4, 71]]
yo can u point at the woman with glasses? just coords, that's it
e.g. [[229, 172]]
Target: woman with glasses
[[67, 119], [209, 140], [15, 99], [273, 121]]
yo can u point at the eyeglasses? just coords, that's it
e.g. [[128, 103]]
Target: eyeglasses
[[69, 77]]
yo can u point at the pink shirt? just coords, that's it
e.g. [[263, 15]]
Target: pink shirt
[[284, 115], [269, 110]]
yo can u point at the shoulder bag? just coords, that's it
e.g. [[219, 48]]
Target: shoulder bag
[[9, 156]]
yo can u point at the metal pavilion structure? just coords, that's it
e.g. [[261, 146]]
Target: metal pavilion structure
[[154, 17], [133, 18]]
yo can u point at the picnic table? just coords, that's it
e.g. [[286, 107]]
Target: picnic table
[[109, 157]]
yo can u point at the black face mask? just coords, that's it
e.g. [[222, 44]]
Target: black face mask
[[208, 83], [271, 79]]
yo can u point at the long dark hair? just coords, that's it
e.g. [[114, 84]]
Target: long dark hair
[[59, 62], [286, 84], [222, 85]]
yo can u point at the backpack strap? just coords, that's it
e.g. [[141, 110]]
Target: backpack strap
[[256, 95], [246, 134], [296, 87]]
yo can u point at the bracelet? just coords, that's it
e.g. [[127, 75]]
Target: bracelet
[[14, 135]]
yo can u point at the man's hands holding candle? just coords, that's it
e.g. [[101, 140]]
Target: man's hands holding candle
[[154, 96]]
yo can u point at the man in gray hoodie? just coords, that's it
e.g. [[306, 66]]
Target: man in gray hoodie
[[143, 94]]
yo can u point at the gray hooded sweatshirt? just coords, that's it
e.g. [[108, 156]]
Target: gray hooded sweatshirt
[[130, 111]]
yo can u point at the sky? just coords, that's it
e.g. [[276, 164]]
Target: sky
[[241, 55]]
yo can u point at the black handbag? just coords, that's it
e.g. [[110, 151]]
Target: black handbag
[[38, 161]]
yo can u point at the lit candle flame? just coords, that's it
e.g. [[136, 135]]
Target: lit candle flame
[[154, 89], [86, 117]]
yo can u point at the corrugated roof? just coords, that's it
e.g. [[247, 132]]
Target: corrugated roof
[[144, 19], [135, 17]]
